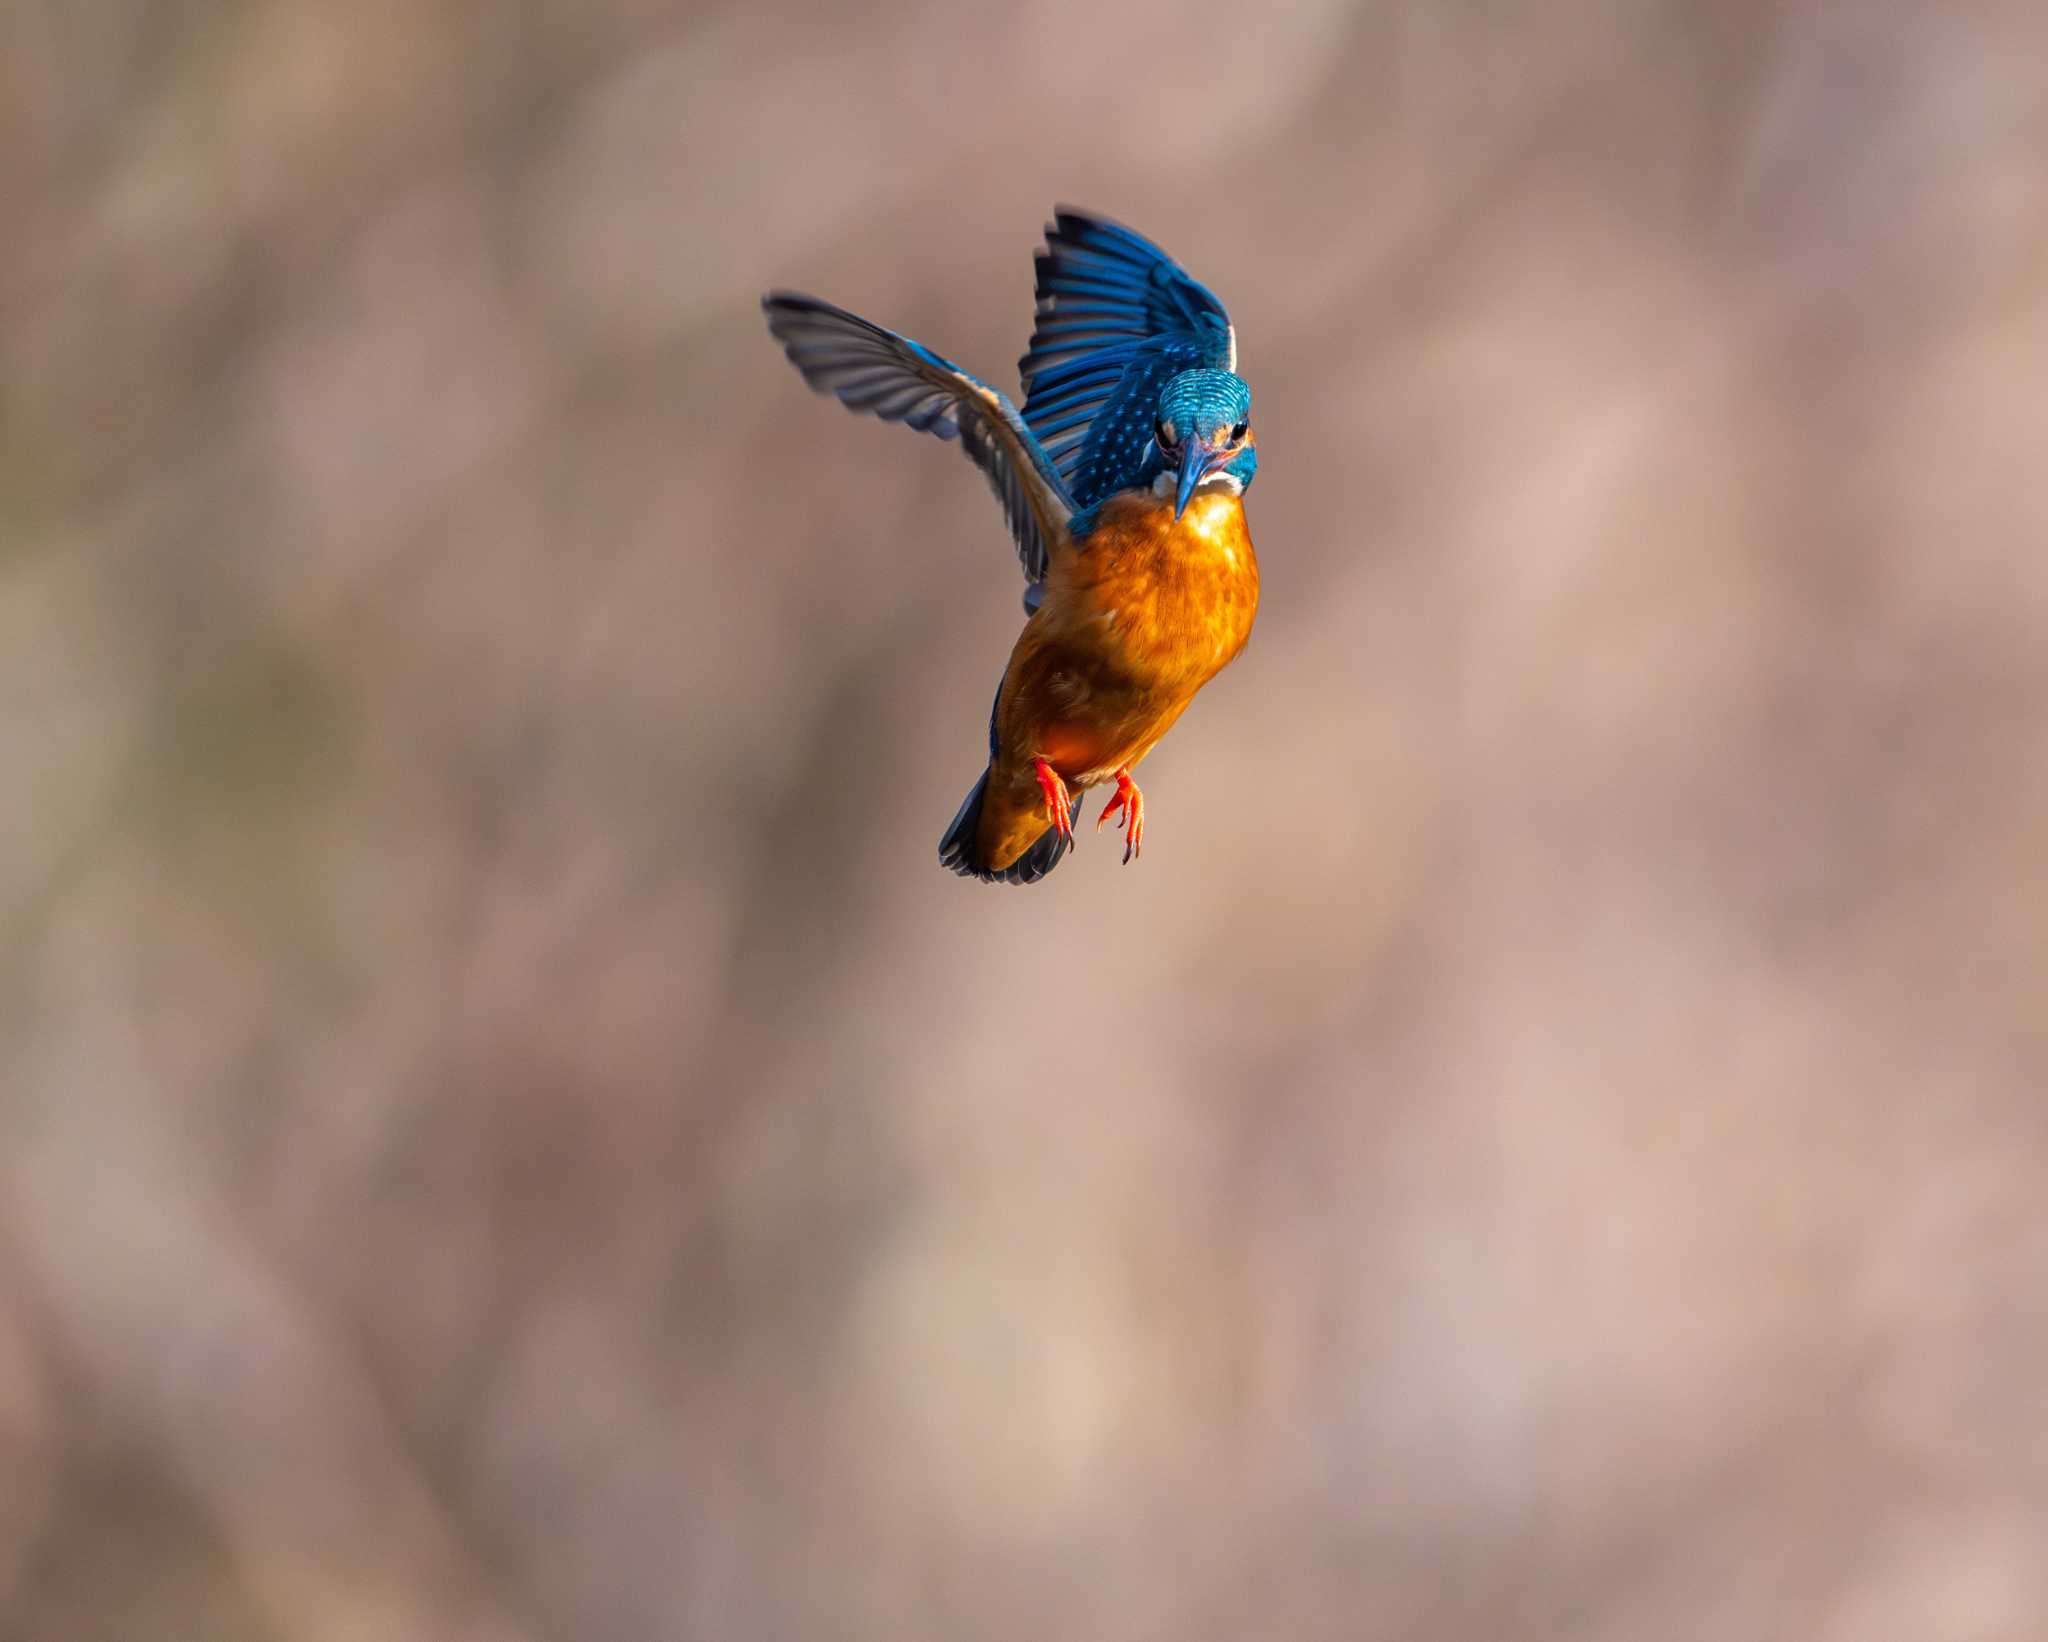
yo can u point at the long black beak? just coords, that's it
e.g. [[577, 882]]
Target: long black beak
[[1195, 466]]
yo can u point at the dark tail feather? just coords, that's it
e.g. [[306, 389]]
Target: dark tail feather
[[956, 849]]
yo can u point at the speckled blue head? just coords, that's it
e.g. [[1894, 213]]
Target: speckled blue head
[[1204, 433]]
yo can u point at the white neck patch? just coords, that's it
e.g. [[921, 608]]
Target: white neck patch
[[1167, 483]]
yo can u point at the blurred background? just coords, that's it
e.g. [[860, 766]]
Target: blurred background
[[506, 1132]]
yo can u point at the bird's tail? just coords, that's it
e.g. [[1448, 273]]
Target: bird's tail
[[959, 850]]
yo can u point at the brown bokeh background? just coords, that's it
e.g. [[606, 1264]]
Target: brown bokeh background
[[505, 1129]]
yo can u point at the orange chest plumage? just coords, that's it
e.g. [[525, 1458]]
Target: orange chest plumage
[[1168, 602], [1138, 615]]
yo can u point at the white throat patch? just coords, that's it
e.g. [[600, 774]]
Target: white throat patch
[[1228, 484]]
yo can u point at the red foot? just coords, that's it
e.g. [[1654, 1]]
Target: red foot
[[1057, 809], [1132, 803]]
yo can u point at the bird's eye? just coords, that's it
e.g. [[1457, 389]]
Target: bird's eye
[[1237, 433], [1164, 433]]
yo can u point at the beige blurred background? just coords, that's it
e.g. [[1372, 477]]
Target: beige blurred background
[[507, 1132]]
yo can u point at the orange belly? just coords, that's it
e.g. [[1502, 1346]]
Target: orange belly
[[1137, 617]]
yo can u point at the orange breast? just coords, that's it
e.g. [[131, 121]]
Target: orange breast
[[1175, 599], [1134, 622]]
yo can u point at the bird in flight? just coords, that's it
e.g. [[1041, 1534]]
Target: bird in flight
[[1122, 480]]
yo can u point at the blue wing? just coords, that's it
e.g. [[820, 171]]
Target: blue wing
[[899, 380], [1117, 317]]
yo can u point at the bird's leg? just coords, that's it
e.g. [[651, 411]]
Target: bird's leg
[[1132, 803], [1057, 809]]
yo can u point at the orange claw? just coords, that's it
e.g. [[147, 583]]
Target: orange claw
[[1132, 804], [1057, 809]]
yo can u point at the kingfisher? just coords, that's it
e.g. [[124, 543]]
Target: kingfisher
[[1122, 481]]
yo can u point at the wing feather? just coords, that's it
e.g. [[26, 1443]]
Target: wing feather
[[1117, 318], [875, 370]]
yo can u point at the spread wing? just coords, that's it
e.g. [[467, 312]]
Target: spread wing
[[1117, 317], [899, 380]]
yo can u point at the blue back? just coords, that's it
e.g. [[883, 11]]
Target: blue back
[[1118, 319]]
